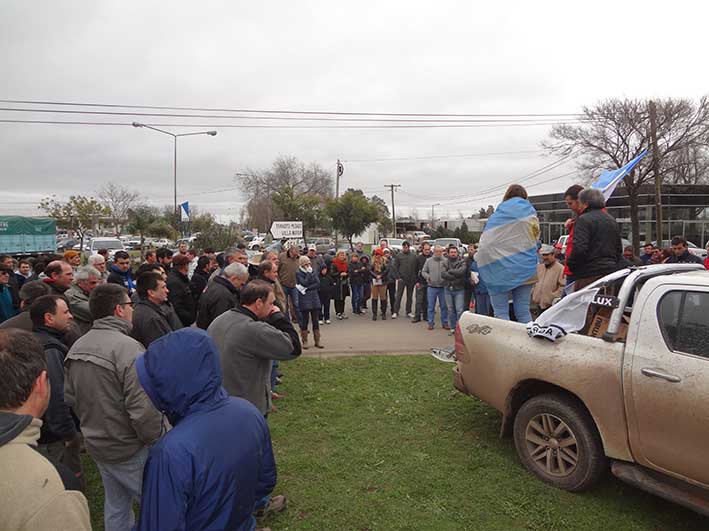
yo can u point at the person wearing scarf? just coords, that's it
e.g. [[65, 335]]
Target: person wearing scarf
[[308, 285], [340, 284], [379, 273], [507, 256]]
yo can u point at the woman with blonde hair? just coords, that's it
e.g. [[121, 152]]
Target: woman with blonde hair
[[379, 273]]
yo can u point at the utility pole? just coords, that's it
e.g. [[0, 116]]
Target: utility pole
[[656, 171], [433, 213], [393, 211], [339, 170]]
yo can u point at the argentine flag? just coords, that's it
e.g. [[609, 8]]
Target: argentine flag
[[508, 246]]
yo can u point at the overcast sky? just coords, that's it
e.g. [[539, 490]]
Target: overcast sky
[[385, 56]]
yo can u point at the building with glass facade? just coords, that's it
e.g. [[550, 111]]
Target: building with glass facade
[[685, 212]]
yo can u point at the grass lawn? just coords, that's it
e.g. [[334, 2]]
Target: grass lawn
[[372, 443]]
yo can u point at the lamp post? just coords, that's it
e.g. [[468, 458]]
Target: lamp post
[[175, 136]]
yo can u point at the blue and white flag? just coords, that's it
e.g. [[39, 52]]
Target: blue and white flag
[[185, 211], [609, 179], [508, 246]]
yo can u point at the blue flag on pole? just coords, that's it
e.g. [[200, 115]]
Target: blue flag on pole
[[609, 179], [185, 211]]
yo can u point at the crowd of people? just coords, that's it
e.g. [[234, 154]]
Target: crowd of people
[[151, 368]]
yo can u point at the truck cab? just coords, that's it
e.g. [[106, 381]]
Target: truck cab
[[615, 376]]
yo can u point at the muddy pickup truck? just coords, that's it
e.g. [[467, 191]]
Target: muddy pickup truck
[[614, 376]]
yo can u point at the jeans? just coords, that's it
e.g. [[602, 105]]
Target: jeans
[[391, 288], [421, 302], [521, 298], [325, 305], [122, 484], [432, 295], [409, 287], [454, 301], [482, 303], [357, 296], [309, 315], [292, 302]]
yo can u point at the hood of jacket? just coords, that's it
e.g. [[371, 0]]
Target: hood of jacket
[[181, 373], [113, 323], [12, 425]]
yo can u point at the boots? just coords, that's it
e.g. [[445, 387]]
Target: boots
[[384, 310], [316, 334], [374, 309], [304, 338]]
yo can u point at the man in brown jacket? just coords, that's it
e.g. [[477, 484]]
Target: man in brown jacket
[[288, 264], [550, 283]]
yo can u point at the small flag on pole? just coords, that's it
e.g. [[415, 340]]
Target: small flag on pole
[[340, 169], [185, 211], [609, 179]]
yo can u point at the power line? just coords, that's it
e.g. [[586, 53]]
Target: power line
[[272, 111], [251, 126], [430, 157], [285, 118]]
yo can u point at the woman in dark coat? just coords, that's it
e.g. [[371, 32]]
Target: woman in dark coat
[[340, 282], [364, 260], [325, 289], [308, 285]]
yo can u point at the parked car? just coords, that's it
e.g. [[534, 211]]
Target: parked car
[[256, 243], [163, 242], [420, 235], [112, 244], [447, 242], [395, 244], [626, 392], [66, 245], [322, 245]]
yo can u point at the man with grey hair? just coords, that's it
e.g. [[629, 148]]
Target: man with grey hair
[[597, 249], [222, 294], [99, 263], [86, 278]]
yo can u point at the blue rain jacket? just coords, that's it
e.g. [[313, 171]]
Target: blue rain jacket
[[217, 461]]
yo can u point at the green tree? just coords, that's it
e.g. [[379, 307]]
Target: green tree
[[352, 213], [218, 237], [119, 200], [140, 220], [292, 206], [79, 214], [384, 223]]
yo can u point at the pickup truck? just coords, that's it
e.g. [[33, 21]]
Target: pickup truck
[[627, 391]]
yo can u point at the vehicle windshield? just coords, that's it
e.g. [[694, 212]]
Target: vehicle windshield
[[445, 242], [111, 245], [395, 241]]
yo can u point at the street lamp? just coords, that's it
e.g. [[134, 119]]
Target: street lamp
[[175, 136]]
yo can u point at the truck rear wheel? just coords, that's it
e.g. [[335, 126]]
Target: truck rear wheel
[[557, 441]]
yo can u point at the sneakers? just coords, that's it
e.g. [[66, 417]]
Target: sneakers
[[321, 322], [410, 315], [327, 321], [394, 315], [339, 316], [276, 504]]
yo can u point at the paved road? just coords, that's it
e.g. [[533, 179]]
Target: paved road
[[360, 335]]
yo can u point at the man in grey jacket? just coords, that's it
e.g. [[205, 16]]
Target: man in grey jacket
[[117, 418], [405, 265], [249, 338], [85, 280], [454, 274], [432, 273]]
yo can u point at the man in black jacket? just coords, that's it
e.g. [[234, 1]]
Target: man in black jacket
[[597, 249], [154, 316], [680, 252], [59, 439], [179, 293], [421, 285], [222, 294], [200, 278], [405, 265]]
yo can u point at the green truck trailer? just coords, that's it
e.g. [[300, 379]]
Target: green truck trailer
[[21, 235]]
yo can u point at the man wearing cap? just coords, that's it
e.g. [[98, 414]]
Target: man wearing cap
[[550, 283]]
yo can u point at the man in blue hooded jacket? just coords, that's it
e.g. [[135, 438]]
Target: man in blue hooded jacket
[[191, 480]]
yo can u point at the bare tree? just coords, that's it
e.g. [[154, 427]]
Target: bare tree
[[615, 131], [258, 187], [118, 200]]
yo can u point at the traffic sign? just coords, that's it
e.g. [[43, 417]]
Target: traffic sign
[[287, 229]]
